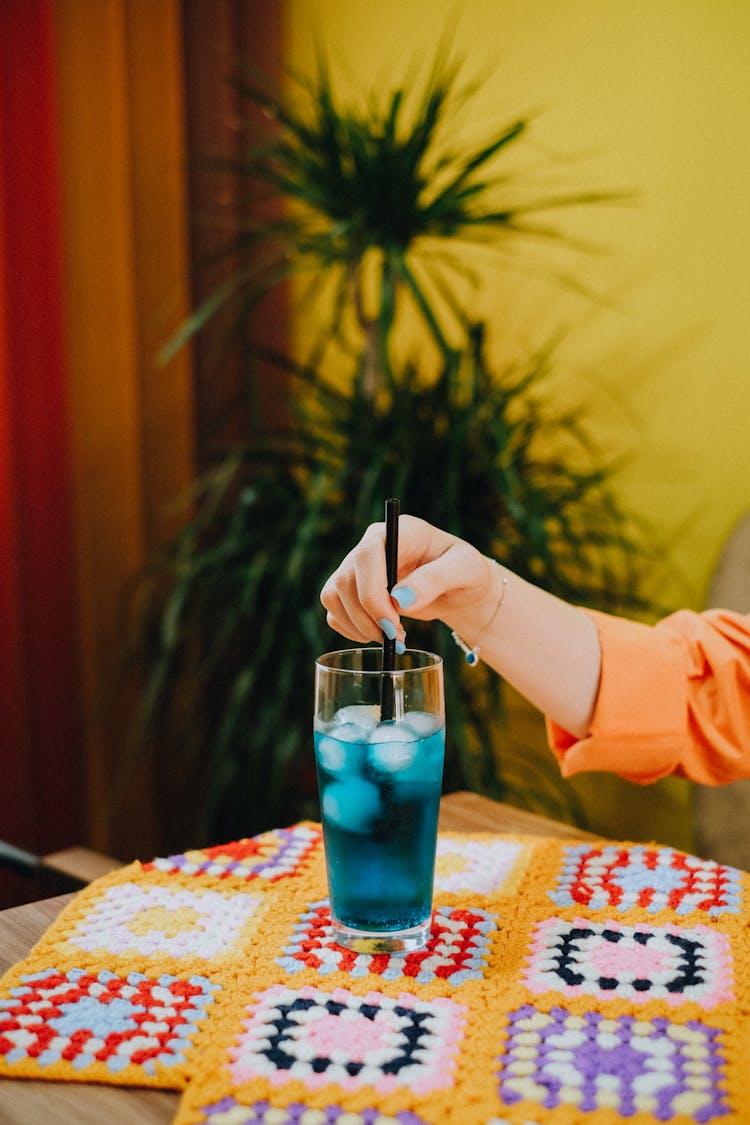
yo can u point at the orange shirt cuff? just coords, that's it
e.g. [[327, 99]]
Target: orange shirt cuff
[[639, 721]]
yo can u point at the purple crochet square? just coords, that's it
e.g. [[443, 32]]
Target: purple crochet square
[[297, 1113], [273, 855], [621, 1063]]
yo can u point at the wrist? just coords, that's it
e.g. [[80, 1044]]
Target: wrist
[[475, 623]]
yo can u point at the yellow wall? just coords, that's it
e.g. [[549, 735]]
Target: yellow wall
[[649, 95]]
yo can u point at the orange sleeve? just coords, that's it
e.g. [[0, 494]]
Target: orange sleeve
[[673, 698]]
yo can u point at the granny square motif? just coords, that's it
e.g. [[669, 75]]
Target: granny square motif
[[562, 983], [172, 921], [653, 878], [620, 1063], [375, 1040], [272, 856], [82, 1019], [228, 1111], [474, 867], [672, 964], [456, 949]]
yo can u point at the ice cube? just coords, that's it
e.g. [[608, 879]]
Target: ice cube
[[392, 757], [422, 723], [390, 731], [349, 732], [392, 747], [351, 804], [339, 757], [363, 714]]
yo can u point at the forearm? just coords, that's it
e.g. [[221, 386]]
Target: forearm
[[545, 648], [548, 650]]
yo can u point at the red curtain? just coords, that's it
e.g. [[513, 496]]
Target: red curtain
[[41, 793]]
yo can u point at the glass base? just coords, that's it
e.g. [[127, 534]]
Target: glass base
[[380, 941]]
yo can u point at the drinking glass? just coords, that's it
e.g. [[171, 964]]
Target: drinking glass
[[379, 744]]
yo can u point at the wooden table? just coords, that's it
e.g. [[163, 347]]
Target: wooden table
[[29, 1102]]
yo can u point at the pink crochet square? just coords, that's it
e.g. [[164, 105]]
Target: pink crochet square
[[607, 960], [354, 1042]]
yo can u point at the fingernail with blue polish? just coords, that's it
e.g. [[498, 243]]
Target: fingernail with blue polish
[[388, 628], [400, 648], [404, 595]]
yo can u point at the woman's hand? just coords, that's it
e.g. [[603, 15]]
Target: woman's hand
[[546, 648], [439, 576]]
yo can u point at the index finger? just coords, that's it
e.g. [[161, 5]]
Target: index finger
[[371, 575]]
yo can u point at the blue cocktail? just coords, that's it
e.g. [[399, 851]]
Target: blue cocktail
[[380, 783]]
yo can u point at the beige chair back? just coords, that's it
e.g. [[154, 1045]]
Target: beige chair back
[[722, 815]]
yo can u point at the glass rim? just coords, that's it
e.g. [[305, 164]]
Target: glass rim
[[434, 661]]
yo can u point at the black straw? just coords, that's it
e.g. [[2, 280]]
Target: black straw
[[392, 508]]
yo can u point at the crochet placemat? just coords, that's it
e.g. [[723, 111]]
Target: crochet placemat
[[564, 983]]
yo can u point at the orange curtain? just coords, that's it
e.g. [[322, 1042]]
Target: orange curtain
[[126, 284]]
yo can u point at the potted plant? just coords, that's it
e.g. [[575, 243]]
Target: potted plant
[[378, 205]]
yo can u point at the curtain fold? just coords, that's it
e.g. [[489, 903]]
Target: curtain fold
[[41, 799], [126, 283]]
